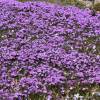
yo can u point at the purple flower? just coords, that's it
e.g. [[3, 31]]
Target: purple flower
[[44, 45]]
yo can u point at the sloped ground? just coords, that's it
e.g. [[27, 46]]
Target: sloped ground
[[48, 51]]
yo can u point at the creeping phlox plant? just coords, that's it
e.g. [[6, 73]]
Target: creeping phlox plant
[[46, 49]]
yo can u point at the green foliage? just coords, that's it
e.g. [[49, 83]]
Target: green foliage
[[80, 4], [37, 97], [68, 2], [97, 6], [77, 3], [52, 1], [24, 0]]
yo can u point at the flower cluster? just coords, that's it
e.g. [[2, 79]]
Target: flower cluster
[[44, 45]]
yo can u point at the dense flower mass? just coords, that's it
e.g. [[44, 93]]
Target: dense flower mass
[[43, 45]]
